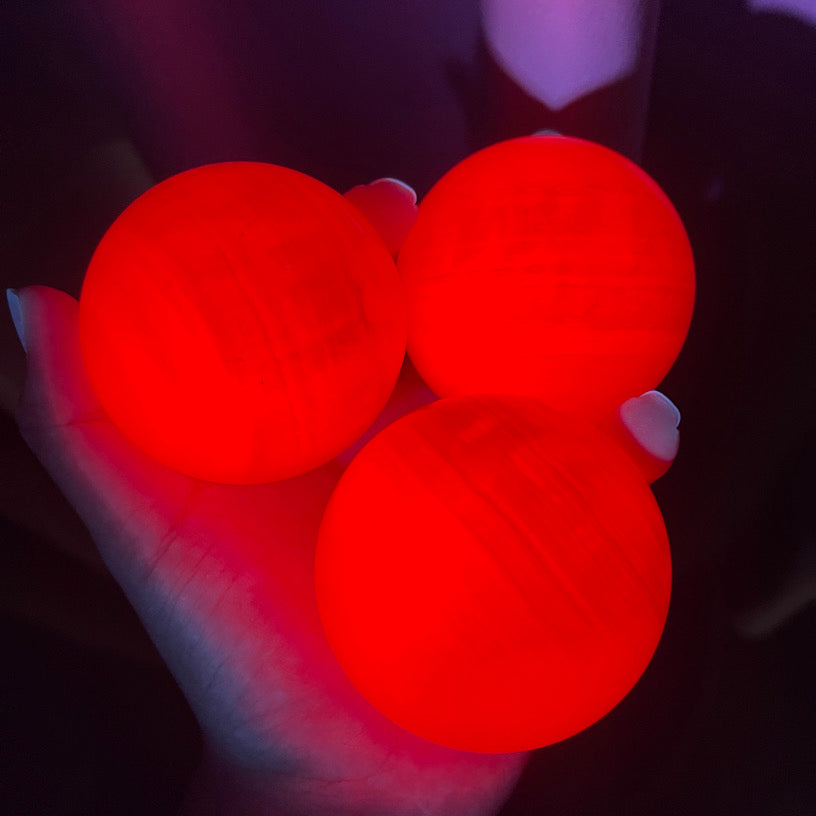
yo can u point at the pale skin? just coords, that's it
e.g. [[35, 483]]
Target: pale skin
[[221, 577]]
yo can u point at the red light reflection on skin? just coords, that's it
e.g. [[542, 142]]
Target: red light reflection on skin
[[390, 205], [550, 267], [492, 575], [222, 578]]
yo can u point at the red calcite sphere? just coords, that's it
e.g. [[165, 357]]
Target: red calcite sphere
[[551, 267], [242, 323], [492, 575]]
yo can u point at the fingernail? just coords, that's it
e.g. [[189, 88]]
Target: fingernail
[[652, 420], [548, 132], [670, 407], [16, 315], [401, 183]]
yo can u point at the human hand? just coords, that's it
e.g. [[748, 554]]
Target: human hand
[[221, 577]]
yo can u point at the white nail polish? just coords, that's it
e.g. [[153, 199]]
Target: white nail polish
[[16, 315], [652, 420], [662, 399], [401, 183]]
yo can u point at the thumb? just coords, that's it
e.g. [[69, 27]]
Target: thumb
[[124, 498]]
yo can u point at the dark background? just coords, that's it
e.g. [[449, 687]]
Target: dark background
[[97, 106]]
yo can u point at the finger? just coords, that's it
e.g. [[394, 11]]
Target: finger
[[390, 205], [646, 427], [120, 494], [183, 551]]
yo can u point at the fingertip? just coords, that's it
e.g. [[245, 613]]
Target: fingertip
[[49, 317], [653, 419], [38, 302], [56, 390], [662, 404], [646, 429], [400, 185], [390, 206]]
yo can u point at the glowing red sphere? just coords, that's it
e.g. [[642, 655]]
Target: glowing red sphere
[[242, 322], [492, 575], [547, 266]]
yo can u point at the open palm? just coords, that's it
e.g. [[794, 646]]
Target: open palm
[[221, 577]]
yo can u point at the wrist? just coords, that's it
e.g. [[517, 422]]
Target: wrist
[[222, 787]]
